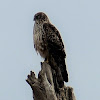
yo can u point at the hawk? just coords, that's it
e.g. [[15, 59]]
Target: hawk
[[48, 42]]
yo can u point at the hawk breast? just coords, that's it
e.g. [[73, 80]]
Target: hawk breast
[[39, 42]]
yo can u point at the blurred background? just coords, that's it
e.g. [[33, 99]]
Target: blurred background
[[79, 24]]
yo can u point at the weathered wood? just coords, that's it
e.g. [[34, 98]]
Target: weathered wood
[[43, 87]]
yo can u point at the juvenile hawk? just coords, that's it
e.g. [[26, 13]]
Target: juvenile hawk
[[48, 42]]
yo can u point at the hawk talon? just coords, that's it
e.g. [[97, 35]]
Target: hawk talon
[[46, 60]]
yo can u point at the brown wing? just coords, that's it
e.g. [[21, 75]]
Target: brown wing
[[56, 48]]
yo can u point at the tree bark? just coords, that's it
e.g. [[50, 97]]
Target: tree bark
[[43, 87]]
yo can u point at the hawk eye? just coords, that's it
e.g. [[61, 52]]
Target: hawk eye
[[38, 16]]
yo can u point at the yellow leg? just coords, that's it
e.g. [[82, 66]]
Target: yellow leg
[[46, 60]]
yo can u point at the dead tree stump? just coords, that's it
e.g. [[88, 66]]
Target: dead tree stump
[[43, 87]]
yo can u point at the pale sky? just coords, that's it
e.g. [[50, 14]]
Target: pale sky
[[79, 24]]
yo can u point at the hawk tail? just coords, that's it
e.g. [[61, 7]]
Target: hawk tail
[[63, 69], [65, 76]]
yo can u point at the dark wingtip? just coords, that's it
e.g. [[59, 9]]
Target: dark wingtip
[[65, 76]]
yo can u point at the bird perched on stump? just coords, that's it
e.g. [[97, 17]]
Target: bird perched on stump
[[49, 44]]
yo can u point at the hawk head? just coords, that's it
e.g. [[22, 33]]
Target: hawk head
[[41, 17]]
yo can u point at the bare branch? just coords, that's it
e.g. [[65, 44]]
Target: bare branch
[[44, 86]]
